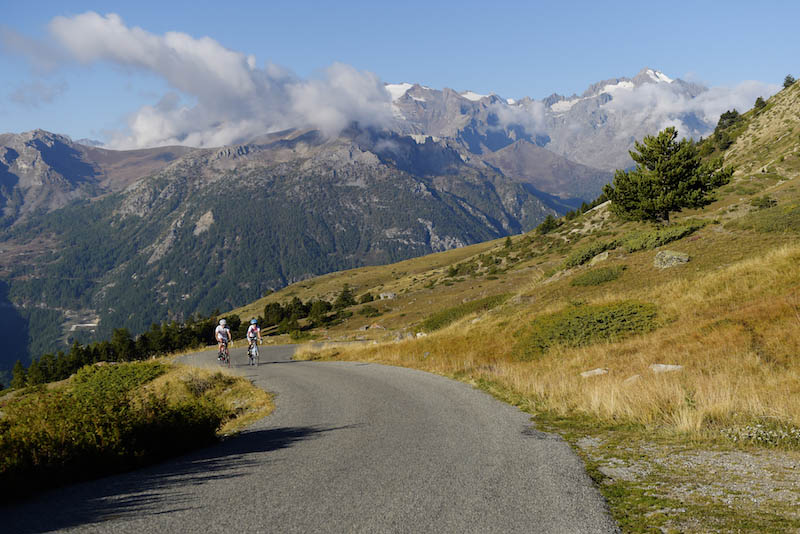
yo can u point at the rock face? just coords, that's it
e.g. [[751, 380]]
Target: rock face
[[669, 258], [41, 171]]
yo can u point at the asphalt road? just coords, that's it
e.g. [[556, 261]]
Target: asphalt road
[[351, 447]]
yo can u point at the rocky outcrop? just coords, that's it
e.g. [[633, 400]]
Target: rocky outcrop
[[669, 258]]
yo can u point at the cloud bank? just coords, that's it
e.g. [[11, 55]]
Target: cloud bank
[[660, 105], [233, 99]]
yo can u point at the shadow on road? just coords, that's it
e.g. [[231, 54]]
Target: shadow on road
[[158, 489]]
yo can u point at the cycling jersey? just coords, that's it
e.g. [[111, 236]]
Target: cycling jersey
[[253, 332], [223, 332]]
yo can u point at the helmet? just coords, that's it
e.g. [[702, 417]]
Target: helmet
[[222, 322], [253, 321]]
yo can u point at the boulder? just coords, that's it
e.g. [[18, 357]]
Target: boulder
[[670, 258], [664, 368], [603, 256], [594, 372]]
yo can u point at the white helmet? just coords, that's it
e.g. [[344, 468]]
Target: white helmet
[[222, 322]]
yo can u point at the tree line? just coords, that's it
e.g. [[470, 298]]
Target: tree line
[[171, 337], [122, 347]]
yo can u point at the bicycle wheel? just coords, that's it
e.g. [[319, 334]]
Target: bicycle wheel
[[255, 355]]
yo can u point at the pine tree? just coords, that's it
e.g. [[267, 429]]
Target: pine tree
[[788, 81], [547, 225], [760, 103], [344, 299], [668, 177], [35, 374], [18, 376]]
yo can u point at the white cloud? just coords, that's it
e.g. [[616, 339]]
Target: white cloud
[[234, 99], [661, 105], [530, 114]]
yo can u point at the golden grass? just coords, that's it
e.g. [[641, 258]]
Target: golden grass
[[245, 402], [735, 331]]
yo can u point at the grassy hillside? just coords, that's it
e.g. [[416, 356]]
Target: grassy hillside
[[589, 331]]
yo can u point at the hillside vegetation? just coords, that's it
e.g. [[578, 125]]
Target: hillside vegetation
[[671, 381], [114, 417]]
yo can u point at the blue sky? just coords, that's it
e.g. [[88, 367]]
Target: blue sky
[[514, 49]]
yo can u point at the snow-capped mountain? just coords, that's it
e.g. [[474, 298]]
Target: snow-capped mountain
[[596, 129]]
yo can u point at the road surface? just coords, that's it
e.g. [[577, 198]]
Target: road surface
[[351, 447]]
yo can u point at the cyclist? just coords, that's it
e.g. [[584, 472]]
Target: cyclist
[[223, 335], [253, 332]]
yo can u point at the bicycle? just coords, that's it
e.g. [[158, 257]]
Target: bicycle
[[252, 352], [224, 356]]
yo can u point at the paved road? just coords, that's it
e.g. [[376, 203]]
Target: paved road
[[351, 447]]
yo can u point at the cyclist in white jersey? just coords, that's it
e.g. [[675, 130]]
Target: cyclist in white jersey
[[254, 332], [223, 334]]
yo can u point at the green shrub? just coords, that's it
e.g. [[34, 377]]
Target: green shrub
[[763, 202], [660, 236], [584, 254], [450, 315], [370, 311], [101, 423], [581, 325], [599, 276]]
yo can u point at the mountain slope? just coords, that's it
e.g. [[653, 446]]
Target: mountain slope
[[526, 162], [41, 171], [218, 227]]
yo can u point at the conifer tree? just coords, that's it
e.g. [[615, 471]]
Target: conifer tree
[[668, 177], [18, 375]]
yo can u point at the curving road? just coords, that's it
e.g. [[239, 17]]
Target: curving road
[[351, 447]]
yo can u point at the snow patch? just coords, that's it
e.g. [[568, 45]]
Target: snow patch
[[563, 105], [623, 85], [397, 90], [657, 76], [469, 95]]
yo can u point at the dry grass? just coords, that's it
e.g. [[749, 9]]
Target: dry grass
[[243, 401], [736, 332]]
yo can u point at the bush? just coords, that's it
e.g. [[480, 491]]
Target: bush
[[370, 311], [549, 224], [450, 315], [582, 255], [104, 421], [661, 236], [583, 325], [598, 276], [763, 202]]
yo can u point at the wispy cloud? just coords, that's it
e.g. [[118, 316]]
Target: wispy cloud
[[36, 93], [233, 98]]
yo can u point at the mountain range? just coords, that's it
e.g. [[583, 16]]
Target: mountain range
[[95, 239]]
